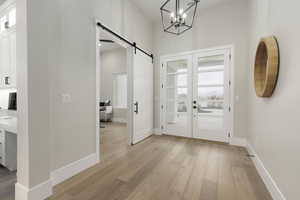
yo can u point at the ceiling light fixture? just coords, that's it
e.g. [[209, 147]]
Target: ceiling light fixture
[[178, 15]]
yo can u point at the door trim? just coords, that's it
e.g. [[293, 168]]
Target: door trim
[[232, 84]]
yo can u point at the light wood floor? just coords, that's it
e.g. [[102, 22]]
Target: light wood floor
[[165, 168], [7, 184]]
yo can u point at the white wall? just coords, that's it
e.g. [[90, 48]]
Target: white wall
[[72, 124], [34, 53], [2, 1], [56, 55], [223, 25], [127, 19], [274, 122], [113, 62], [74, 73]]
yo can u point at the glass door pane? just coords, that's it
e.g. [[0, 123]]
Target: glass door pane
[[210, 92], [178, 97], [210, 96]]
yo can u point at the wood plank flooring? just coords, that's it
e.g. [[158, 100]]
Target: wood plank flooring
[[163, 168], [7, 184]]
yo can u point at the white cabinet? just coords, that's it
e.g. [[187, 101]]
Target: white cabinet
[[8, 59], [8, 150], [2, 147]]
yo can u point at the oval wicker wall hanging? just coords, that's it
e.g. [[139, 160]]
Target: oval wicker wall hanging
[[266, 66]]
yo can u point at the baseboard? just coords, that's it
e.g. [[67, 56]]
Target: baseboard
[[157, 131], [241, 142], [72, 169], [119, 120], [265, 175], [142, 135], [39, 192]]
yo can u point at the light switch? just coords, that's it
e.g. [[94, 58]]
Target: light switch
[[237, 98], [66, 98]]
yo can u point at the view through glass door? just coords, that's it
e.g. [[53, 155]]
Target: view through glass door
[[197, 95], [178, 93], [211, 96]]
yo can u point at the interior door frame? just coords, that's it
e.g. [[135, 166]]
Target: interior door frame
[[129, 60], [232, 85]]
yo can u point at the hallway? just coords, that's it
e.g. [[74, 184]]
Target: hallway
[[164, 167]]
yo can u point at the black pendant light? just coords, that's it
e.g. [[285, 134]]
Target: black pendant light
[[178, 15]]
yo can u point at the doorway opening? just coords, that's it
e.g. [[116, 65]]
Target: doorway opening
[[114, 134], [196, 94], [124, 92]]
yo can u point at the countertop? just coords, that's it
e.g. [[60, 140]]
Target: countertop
[[9, 124]]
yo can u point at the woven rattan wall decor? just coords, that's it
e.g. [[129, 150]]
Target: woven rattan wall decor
[[266, 66]]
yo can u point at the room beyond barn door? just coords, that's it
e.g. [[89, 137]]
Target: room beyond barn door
[[142, 96]]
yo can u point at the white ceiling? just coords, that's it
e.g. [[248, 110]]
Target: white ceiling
[[151, 8]]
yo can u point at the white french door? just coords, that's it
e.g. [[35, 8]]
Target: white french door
[[196, 95], [177, 92], [211, 95]]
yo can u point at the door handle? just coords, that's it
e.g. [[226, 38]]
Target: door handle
[[195, 104], [136, 110]]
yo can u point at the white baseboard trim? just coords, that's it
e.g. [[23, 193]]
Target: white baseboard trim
[[142, 135], [72, 169], [39, 192], [157, 131], [119, 120], [265, 175], [241, 142]]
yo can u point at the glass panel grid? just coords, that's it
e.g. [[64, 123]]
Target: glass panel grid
[[210, 89], [211, 78], [177, 96]]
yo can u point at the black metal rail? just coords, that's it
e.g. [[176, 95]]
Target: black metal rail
[[125, 40]]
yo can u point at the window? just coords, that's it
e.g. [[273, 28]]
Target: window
[[3, 20], [8, 19], [177, 85], [211, 85], [120, 90], [12, 17]]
